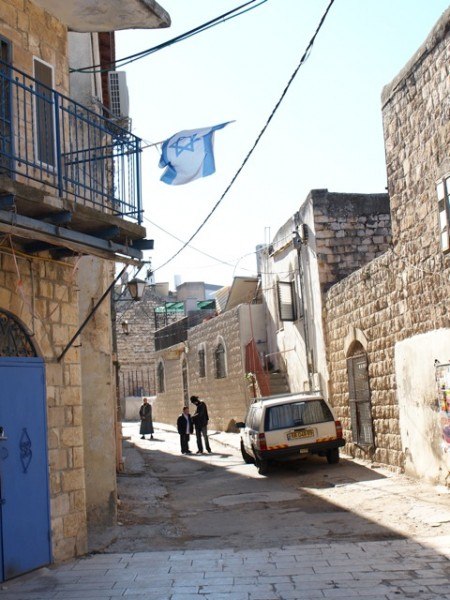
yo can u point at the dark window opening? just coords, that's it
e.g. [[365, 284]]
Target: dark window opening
[[160, 378], [201, 363], [220, 362]]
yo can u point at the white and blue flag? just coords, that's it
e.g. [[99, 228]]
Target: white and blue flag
[[189, 155]]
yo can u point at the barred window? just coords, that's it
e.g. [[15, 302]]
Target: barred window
[[443, 195], [220, 361], [160, 378], [286, 300]]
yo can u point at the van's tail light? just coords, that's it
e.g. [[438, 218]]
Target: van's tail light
[[338, 428], [262, 444]]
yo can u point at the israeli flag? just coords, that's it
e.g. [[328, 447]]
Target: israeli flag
[[189, 155]]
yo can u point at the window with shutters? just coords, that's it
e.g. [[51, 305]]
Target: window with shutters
[[44, 113], [359, 397], [286, 300], [443, 196]]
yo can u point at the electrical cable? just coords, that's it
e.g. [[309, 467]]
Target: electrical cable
[[246, 159], [126, 60], [228, 264]]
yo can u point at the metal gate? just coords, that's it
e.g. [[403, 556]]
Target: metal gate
[[24, 490], [359, 398]]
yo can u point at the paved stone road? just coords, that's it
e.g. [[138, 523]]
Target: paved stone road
[[388, 570], [377, 570]]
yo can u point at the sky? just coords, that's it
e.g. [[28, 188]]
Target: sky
[[327, 132]]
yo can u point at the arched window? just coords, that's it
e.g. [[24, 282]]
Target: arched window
[[14, 341], [160, 378], [184, 376], [359, 395], [220, 361], [201, 361]]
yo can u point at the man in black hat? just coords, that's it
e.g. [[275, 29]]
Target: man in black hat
[[200, 419]]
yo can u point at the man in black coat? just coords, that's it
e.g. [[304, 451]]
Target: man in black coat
[[185, 428], [200, 419]]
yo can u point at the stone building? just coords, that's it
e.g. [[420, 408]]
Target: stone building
[[63, 224], [208, 356], [135, 331], [330, 236], [388, 324], [136, 324]]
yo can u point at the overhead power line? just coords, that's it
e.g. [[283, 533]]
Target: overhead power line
[[258, 139], [126, 60]]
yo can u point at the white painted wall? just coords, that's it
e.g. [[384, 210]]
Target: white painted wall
[[419, 406], [289, 342]]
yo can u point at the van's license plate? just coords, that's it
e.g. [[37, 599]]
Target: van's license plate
[[302, 433]]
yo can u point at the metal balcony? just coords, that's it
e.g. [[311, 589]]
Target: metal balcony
[[48, 138]]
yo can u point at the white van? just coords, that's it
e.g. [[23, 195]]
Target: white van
[[288, 427]]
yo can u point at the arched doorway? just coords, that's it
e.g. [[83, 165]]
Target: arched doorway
[[359, 396], [24, 487]]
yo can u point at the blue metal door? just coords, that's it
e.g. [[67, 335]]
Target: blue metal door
[[24, 493]]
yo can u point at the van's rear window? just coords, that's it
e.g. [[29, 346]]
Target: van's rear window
[[297, 414]]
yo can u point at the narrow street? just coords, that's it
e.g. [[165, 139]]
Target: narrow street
[[208, 526], [170, 501]]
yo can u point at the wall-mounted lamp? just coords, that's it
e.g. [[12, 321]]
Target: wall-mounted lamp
[[125, 327], [136, 288]]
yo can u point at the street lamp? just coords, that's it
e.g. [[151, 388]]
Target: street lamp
[[136, 288]]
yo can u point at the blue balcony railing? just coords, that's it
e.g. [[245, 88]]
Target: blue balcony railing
[[48, 138]]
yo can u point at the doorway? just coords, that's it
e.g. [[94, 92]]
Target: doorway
[[24, 481]]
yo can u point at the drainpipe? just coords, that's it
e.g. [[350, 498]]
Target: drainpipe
[[300, 239]]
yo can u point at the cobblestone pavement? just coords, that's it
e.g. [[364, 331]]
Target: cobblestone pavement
[[386, 570]]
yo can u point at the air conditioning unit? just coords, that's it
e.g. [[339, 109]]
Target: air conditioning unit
[[118, 94]]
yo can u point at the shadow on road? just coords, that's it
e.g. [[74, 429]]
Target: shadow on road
[[174, 502]]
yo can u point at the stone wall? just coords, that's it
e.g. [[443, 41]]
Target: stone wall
[[34, 32], [136, 348], [404, 293], [350, 231], [227, 398], [46, 302]]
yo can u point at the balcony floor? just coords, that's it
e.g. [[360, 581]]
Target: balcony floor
[[41, 221]]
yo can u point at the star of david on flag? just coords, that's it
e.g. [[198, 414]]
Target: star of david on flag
[[189, 155]]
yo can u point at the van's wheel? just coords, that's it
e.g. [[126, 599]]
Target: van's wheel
[[249, 460], [333, 456], [262, 466]]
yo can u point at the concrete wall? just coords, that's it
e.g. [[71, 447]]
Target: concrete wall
[[84, 51], [227, 398], [420, 427], [99, 392]]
